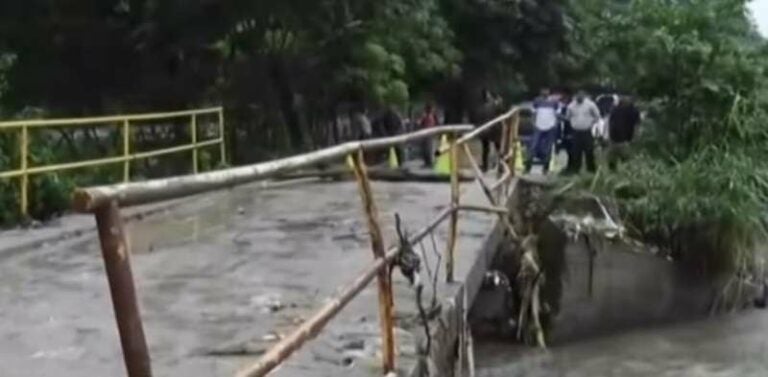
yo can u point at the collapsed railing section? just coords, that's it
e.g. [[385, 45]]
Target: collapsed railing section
[[105, 203]]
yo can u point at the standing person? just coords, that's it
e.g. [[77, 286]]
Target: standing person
[[605, 103], [361, 124], [624, 120], [428, 120], [545, 109], [488, 109], [391, 124], [583, 114], [565, 139]]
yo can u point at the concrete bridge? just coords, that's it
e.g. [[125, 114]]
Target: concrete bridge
[[220, 278], [226, 277]]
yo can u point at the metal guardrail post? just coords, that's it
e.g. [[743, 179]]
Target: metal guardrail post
[[454, 158], [193, 133], [126, 150], [24, 159], [221, 136], [117, 262], [386, 300]]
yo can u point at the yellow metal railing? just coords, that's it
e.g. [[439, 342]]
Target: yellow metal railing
[[125, 122]]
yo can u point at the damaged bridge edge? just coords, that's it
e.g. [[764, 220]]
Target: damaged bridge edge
[[449, 354]]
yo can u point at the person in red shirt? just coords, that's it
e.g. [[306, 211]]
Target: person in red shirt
[[427, 120]]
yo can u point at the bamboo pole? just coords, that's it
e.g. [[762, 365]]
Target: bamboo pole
[[386, 300], [455, 193], [502, 152], [487, 191], [117, 261], [484, 128], [135, 193], [376, 174], [503, 179], [514, 142], [485, 209], [312, 327]]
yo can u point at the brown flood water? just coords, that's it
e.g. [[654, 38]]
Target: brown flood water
[[729, 346]]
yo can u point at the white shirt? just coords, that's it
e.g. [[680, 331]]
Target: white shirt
[[583, 115], [545, 113]]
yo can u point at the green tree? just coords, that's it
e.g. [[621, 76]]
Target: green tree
[[696, 187]]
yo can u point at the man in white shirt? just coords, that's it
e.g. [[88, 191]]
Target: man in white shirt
[[545, 109], [583, 115]]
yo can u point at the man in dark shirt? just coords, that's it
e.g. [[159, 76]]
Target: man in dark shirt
[[390, 123], [606, 103], [621, 130]]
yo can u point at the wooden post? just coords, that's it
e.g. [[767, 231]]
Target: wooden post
[[386, 301], [223, 145], [315, 324], [117, 261], [503, 146], [193, 133], [514, 142], [126, 151], [503, 149], [450, 258], [24, 185]]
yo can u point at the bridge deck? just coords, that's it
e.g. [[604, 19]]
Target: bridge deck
[[221, 274]]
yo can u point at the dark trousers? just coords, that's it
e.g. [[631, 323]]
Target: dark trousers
[[583, 148], [540, 148], [617, 153], [427, 147]]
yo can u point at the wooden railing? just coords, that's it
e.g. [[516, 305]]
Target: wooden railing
[[125, 123], [105, 203]]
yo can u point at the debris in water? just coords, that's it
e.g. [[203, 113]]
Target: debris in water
[[271, 337]]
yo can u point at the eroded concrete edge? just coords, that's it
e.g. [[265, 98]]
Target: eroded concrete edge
[[448, 355]]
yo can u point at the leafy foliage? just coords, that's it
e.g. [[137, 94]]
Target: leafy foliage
[[697, 187]]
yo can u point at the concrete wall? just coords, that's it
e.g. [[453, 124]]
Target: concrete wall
[[628, 289]]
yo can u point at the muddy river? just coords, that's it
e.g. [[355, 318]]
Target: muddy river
[[729, 346]]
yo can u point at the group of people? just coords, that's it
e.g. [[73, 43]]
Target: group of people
[[576, 124], [389, 122], [560, 122]]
